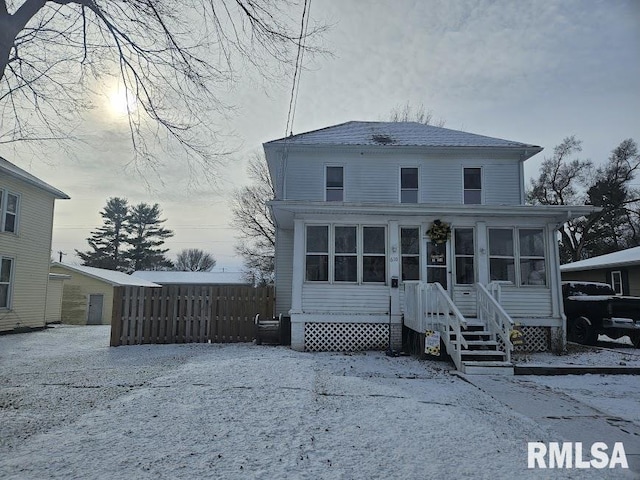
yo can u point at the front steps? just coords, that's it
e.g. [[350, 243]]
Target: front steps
[[483, 355]]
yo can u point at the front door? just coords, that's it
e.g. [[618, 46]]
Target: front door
[[95, 310]]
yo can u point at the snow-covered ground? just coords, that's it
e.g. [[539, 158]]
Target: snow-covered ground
[[72, 407]]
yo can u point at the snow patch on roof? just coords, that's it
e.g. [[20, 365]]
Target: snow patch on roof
[[397, 134], [16, 172], [192, 278], [109, 276], [630, 256]]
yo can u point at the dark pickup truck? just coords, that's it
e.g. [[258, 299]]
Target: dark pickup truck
[[594, 308]]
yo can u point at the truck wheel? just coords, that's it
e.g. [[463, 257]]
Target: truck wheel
[[583, 332]]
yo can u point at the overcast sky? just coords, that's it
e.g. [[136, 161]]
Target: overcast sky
[[533, 72]]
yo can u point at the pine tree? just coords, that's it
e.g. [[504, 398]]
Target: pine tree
[[147, 235], [108, 241]]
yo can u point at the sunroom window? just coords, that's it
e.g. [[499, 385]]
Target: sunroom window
[[501, 255], [464, 253], [317, 261], [410, 253], [346, 254], [518, 256], [374, 260], [532, 264]]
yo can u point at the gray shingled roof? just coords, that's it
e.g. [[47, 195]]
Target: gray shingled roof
[[396, 134], [16, 172]]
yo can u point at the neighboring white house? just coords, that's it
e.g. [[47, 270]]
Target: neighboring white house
[[26, 223], [191, 278], [87, 297], [354, 204]]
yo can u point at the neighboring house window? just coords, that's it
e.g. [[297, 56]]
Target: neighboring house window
[[532, 264], [8, 211], [374, 260], [501, 255], [6, 270], [335, 184], [616, 282], [472, 186], [409, 185], [346, 254], [410, 253], [357, 254], [521, 263], [464, 253], [317, 264]]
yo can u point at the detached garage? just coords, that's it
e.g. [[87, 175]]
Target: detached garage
[[87, 297]]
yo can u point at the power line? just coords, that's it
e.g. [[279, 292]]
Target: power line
[[298, 67]]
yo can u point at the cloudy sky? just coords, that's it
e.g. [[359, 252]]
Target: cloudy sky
[[533, 72]]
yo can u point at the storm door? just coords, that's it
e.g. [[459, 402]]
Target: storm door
[[437, 263]]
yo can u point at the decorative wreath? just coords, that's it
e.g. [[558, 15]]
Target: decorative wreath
[[439, 232]]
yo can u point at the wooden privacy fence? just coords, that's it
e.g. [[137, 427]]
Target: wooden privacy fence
[[188, 314]]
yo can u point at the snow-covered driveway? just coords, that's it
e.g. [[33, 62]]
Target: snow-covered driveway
[[72, 407]]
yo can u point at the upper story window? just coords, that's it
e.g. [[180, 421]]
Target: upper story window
[[334, 184], [520, 262], [8, 211], [6, 267], [410, 253], [472, 186], [409, 185]]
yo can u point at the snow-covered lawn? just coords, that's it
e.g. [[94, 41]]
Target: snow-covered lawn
[[72, 407]]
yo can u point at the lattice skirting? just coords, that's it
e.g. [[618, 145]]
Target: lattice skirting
[[536, 339], [345, 337]]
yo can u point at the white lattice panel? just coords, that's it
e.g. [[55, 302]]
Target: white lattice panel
[[345, 337], [536, 339]]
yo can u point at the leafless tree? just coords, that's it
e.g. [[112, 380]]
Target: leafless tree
[[194, 260], [251, 216], [408, 113], [172, 58]]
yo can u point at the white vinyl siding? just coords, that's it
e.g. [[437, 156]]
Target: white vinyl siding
[[341, 298], [284, 270], [527, 303], [30, 247], [374, 178]]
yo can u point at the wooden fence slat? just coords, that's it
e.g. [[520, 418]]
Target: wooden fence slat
[[116, 317]]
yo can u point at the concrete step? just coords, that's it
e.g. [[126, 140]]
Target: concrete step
[[487, 368]]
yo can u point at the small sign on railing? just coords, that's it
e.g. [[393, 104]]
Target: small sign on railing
[[516, 336], [432, 343]]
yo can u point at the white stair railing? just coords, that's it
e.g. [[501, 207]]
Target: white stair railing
[[491, 313], [429, 307]]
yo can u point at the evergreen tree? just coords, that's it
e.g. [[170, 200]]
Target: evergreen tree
[[147, 235], [108, 241]]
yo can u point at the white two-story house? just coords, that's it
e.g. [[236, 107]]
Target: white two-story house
[[354, 209], [26, 223]]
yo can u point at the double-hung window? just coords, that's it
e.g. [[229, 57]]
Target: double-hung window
[[517, 256], [317, 261], [346, 253], [464, 253], [409, 185], [616, 282], [334, 184], [472, 186], [532, 265], [374, 260], [8, 211], [410, 253], [6, 271]]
